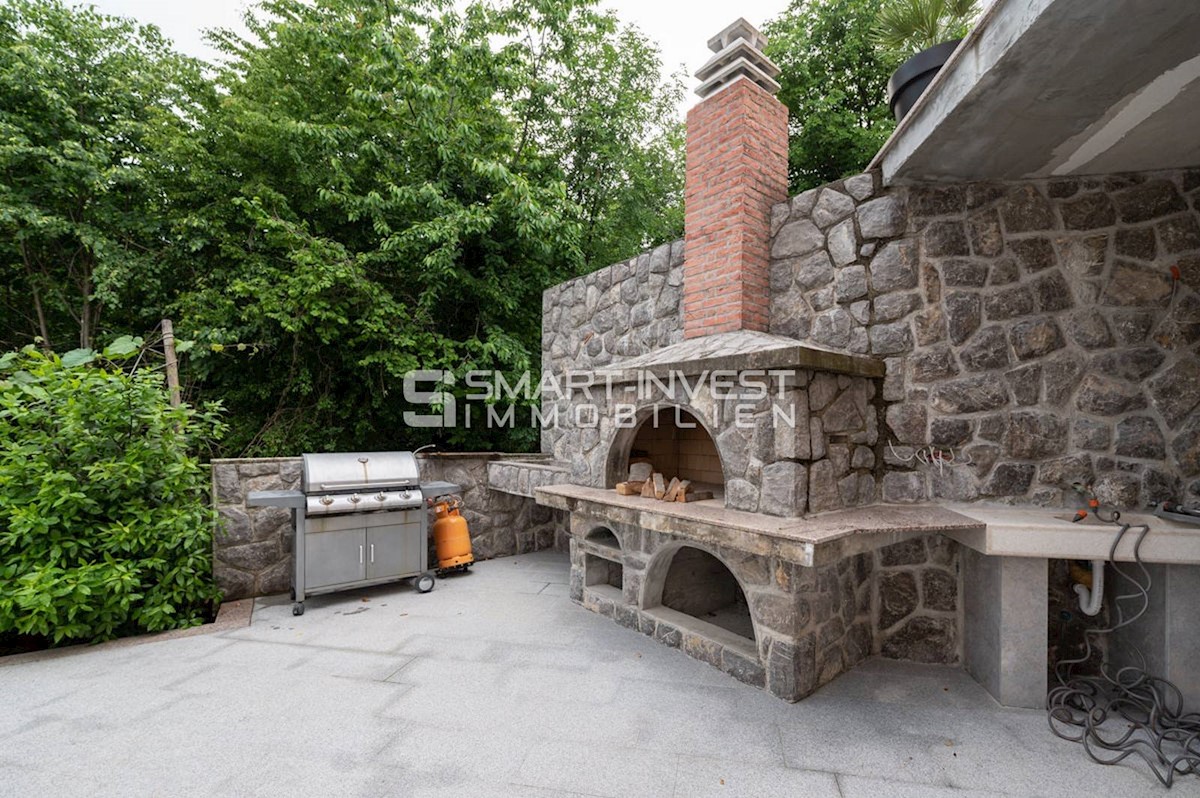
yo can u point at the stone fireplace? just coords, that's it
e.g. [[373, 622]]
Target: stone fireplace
[[676, 443], [851, 357], [776, 429]]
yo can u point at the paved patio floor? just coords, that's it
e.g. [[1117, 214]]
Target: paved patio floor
[[496, 684]]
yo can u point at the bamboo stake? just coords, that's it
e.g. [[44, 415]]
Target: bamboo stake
[[168, 333]]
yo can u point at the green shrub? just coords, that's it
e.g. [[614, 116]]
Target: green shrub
[[105, 521]]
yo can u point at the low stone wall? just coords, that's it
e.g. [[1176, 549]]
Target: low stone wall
[[501, 524], [252, 546], [521, 477]]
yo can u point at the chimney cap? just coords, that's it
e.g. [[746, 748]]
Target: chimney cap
[[740, 29], [739, 54]]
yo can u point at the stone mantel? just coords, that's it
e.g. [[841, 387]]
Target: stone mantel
[[810, 541], [741, 351]]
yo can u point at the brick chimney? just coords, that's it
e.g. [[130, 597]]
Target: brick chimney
[[737, 143]]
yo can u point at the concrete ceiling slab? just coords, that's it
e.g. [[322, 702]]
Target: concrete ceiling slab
[[1058, 87]]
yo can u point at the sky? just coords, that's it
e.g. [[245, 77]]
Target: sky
[[681, 28]]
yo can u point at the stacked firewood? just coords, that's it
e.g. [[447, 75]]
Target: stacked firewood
[[644, 481]]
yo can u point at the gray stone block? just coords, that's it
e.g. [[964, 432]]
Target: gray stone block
[[860, 187], [897, 597], [784, 489], [970, 395], [832, 206], [1105, 396], [892, 338], [797, 238], [850, 283], [924, 639], [881, 218], [1140, 437], [1035, 338], [904, 487], [963, 314]]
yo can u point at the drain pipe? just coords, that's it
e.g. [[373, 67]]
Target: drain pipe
[[1091, 598]]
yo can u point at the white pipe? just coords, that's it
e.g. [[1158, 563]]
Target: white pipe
[[1091, 599]]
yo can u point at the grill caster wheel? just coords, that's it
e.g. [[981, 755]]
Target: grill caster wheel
[[424, 582], [298, 608]]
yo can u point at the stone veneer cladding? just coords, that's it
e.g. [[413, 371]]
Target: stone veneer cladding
[[619, 311], [811, 623], [1034, 326]]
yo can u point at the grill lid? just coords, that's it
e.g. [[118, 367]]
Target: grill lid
[[359, 471]]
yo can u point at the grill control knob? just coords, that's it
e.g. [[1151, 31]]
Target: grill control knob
[[355, 499], [326, 500], [404, 495], [379, 497]]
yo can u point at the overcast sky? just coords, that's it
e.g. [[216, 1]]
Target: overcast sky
[[680, 27]]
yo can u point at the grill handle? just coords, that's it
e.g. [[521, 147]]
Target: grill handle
[[360, 555], [358, 485]]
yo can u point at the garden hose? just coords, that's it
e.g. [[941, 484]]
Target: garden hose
[[1129, 712]]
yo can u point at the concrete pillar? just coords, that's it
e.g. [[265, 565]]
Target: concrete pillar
[[1168, 635], [1005, 603]]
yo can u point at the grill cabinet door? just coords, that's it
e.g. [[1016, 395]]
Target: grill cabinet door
[[395, 549], [335, 557]]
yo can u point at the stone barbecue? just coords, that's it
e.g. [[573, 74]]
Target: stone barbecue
[[854, 357]]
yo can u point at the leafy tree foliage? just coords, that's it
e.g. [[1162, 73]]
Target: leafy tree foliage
[[86, 105], [835, 87], [364, 187], [105, 514]]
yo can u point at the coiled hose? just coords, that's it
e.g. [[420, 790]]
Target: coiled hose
[[1129, 712]]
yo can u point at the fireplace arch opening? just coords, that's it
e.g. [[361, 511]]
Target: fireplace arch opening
[[603, 536], [676, 444], [696, 583]]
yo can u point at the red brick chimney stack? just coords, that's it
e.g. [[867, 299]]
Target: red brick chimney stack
[[737, 142]]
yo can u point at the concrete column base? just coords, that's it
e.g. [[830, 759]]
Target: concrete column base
[[1004, 626], [1168, 634]]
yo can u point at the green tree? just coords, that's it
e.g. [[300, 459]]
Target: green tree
[[390, 186], [87, 105], [601, 111], [835, 87]]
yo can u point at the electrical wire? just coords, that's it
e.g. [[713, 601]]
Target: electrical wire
[[1129, 712]]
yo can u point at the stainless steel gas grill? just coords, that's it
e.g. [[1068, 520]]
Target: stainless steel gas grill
[[360, 520]]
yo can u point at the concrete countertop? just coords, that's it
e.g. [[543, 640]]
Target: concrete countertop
[[1048, 532], [807, 541], [996, 530]]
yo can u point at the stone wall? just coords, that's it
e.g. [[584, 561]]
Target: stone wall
[[917, 614], [252, 546], [501, 524], [1037, 328], [623, 310]]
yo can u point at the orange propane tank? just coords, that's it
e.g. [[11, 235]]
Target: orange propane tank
[[450, 536]]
